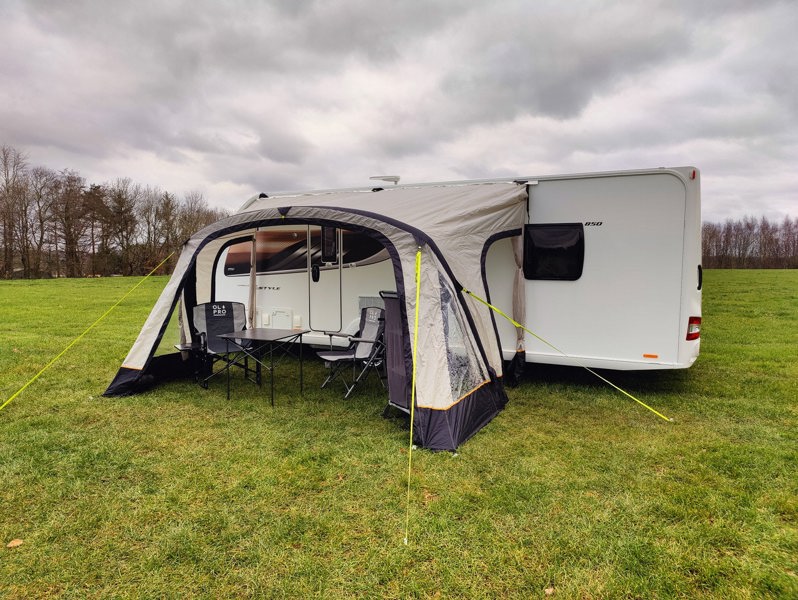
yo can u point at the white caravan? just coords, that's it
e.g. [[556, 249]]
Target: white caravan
[[611, 262]]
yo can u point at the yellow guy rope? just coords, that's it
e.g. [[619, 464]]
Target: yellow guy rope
[[77, 339], [605, 380], [412, 394]]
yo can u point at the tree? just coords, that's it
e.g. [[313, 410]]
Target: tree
[[788, 240], [123, 200], [97, 217], [12, 168], [170, 214], [23, 221], [750, 243], [193, 215], [53, 223], [42, 187], [768, 245], [151, 227], [744, 241], [710, 242], [70, 220]]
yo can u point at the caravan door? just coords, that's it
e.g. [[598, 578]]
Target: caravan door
[[325, 264]]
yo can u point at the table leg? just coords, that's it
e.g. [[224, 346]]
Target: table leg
[[271, 358], [255, 354], [301, 371]]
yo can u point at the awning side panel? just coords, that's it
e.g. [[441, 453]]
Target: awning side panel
[[447, 429]]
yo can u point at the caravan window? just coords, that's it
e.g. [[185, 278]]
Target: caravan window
[[276, 250], [554, 251], [285, 250], [329, 244]]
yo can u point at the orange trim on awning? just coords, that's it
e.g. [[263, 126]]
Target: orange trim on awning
[[461, 398]]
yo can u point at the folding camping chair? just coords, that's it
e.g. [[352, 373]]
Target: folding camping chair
[[211, 320], [367, 351]]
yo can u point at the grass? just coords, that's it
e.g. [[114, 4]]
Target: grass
[[179, 493]]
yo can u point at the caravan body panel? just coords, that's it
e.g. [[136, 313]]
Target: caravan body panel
[[638, 286]]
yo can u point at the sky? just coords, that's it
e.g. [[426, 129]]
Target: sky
[[231, 98]]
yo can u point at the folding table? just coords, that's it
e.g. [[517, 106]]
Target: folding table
[[255, 343]]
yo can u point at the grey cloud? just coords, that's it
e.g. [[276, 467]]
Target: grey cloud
[[712, 10], [180, 59], [283, 147], [229, 90], [553, 63], [515, 61], [241, 36], [377, 30]]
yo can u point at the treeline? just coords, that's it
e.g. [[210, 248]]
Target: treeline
[[54, 224], [750, 243]]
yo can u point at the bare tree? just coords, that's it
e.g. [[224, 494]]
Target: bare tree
[[744, 241], [193, 215], [42, 188], [151, 227], [750, 243], [12, 168], [23, 224], [97, 216], [53, 223], [123, 199], [710, 243], [69, 213], [788, 240], [769, 252], [170, 214]]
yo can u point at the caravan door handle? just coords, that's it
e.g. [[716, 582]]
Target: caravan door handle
[[315, 273]]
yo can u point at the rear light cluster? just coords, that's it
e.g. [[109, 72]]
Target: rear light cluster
[[693, 328]]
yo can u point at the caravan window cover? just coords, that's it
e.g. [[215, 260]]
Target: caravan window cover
[[284, 249], [554, 251]]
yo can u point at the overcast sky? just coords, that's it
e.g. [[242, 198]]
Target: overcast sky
[[233, 98]]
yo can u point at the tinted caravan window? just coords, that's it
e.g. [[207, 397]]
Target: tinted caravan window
[[329, 244], [285, 250], [554, 251], [276, 250]]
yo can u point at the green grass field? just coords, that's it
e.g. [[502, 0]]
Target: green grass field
[[179, 493]]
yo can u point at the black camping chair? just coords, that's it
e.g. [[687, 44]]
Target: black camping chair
[[366, 351], [211, 320]]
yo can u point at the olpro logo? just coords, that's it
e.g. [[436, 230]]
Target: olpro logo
[[219, 310]]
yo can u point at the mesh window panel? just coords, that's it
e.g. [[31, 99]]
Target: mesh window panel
[[465, 367]]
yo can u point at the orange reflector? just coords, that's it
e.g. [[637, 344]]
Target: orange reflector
[[651, 356]]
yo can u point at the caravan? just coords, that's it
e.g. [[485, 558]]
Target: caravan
[[611, 268], [602, 269]]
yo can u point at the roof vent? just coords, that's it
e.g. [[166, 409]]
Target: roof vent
[[262, 195], [390, 178]]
